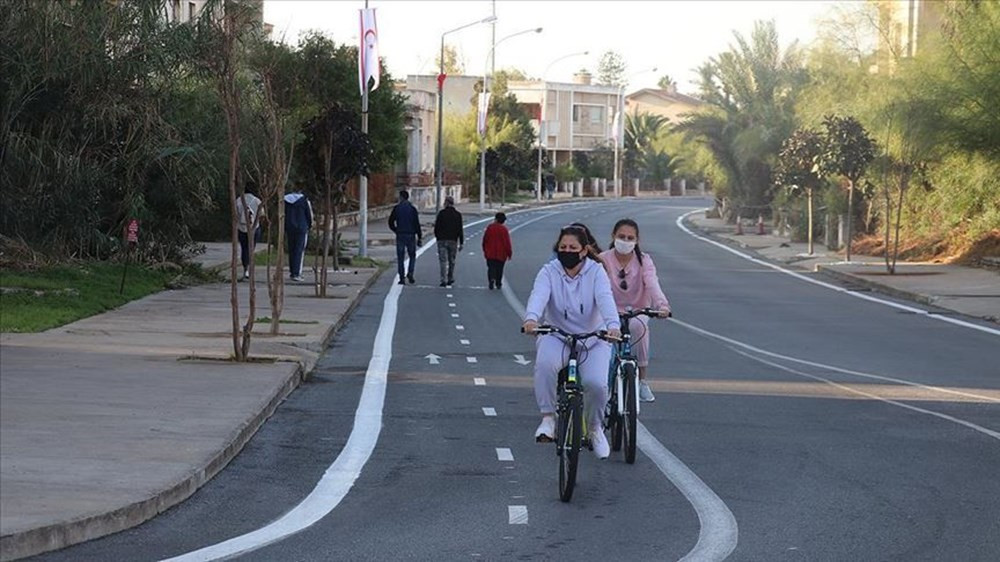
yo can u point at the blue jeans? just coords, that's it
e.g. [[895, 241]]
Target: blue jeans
[[406, 244]]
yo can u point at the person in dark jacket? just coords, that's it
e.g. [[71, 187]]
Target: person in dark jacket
[[405, 222], [497, 250], [298, 221], [450, 239]]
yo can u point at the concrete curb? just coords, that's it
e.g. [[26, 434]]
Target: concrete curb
[[62, 535], [884, 289]]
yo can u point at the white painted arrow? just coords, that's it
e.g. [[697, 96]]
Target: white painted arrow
[[434, 359], [520, 360]]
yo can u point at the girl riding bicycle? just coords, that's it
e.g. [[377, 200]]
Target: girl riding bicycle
[[635, 285], [573, 293]]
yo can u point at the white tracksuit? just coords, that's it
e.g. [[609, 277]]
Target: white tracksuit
[[575, 304]]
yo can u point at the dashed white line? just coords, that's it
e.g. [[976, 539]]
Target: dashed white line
[[471, 360], [504, 454], [517, 514], [489, 412], [451, 304], [479, 381], [464, 342], [454, 315], [449, 295], [459, 327]]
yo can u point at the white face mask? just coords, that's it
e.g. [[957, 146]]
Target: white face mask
[[624, 246]]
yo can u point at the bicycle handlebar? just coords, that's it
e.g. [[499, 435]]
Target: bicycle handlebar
[[651, 312], [544, 329]]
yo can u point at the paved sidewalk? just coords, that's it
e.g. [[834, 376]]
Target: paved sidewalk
[[110, 420], [970, 291]]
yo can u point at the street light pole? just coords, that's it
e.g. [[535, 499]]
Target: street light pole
[[482, 151], [541, 117], [438, 167], [620, 128]]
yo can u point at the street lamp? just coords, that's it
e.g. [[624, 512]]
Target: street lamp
[[620, 132], [541, 115], [482, 151], [440, 112]]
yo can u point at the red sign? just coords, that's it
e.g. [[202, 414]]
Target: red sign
[[132, 231]]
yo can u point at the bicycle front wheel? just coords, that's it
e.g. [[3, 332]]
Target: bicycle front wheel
[[615, 422], [570, 431], [631, 416]]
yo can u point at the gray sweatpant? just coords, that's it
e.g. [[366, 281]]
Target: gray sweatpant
[[447, 250]]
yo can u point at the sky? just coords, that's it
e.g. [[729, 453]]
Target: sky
[[673, 36]]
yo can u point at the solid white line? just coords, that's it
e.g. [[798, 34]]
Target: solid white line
[[749, 347], [517, 514], [946, 417], [718, 533], [504, 454], [479, 381], [919, 311], [471, 360], [489, 412], [341, 475]]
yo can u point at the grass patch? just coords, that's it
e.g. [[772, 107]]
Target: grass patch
[[358, 261], [33, 301]]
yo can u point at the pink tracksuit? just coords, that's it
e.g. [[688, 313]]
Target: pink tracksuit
[[575, 304], [643, 290]]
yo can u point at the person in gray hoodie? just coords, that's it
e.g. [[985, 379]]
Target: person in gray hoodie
[[573, 292], [298, 221]]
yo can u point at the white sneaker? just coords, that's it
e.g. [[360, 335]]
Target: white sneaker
[[298, 279], [602, 449], [645, 394], [546, 430], [246, 274]]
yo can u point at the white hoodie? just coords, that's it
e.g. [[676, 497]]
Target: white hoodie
[[575, 304]]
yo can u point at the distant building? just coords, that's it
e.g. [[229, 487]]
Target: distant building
[[459, 90], [572, 116], [666, 102], [421, 130], [903, 25], [184, 11]]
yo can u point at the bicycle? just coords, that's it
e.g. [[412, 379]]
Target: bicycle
[[622, 413], [570, 424]]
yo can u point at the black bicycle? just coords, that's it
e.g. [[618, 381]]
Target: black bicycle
[[570, 424], [622, 413]]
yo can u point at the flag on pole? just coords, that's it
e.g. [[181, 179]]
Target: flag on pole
[[484, 106], [368, 65]]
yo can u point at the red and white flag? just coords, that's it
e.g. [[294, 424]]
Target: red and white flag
[[368, 65], [484, 106]]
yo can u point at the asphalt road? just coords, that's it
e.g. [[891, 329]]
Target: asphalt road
[[792, 422]]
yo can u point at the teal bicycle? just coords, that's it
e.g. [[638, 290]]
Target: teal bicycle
[[622, 413]]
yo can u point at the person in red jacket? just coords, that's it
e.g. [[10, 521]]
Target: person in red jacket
[[497, 250]]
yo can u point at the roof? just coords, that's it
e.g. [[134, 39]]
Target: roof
[[666, 95]]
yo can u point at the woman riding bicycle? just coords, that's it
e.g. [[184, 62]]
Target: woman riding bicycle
[[572, 292], [634, 285]]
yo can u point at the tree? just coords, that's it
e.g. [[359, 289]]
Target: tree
[[666, 82], [750, 92], [611, 69], [453, 63], [641, 131], [798, 169], [847, 151]]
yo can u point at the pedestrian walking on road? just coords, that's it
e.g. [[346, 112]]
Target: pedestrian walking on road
[[405, 222], [550, 184], [635, 285], [298, 221], [249, 214], [573, 293], [450, 238], [497, 249]]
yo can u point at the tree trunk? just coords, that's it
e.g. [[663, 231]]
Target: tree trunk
[[809, 218], [850, 215], [904, 183]]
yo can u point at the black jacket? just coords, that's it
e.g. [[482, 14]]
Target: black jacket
[[448, 225]]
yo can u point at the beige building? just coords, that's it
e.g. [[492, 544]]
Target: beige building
[[573, 116], [903, 24], [668, 103], [459, 90], [421, 130]]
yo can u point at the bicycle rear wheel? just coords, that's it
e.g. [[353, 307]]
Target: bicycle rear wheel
[[570, 430], [630, 421]]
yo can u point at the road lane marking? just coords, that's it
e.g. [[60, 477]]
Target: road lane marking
[[517, 514], [471, 360], [479, 381], [919, 311], [504, 454], [449, 295], [489, 412], [451, 304], [464, 342], [454, 315], [459, 327], [718, 532], [340, 476]]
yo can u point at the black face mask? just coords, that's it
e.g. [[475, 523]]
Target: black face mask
[[569, 260]]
